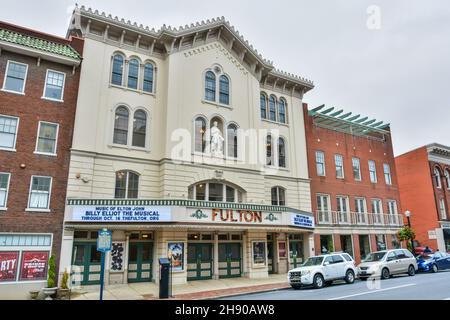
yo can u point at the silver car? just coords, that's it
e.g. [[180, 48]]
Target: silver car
[[384, 264]]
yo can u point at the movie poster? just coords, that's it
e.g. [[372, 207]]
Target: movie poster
[[8, 266], [176, 251], [34, 265], [259, 252], [117, 257]]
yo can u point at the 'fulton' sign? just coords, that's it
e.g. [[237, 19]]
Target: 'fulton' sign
[[229, 216]]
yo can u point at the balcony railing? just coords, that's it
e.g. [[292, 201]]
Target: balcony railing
[[336, 218]]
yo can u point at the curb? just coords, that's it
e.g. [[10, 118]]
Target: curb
[[245, 294]]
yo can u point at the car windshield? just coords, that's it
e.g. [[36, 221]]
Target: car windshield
[[376, 256], [424, 257], [313, 261]]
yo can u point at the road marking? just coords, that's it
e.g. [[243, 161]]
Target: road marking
[[375, 291]]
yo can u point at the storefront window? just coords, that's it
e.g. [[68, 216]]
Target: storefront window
[[395, 243], [326, 243], [381, 242], [447, 239], [347, 244], [364, 246]]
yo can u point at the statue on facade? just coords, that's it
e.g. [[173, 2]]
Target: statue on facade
[[216, 141]]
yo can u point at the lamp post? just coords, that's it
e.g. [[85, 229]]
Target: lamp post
[[170, 256], [408, 217]]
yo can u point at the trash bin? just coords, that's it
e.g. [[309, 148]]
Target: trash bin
[[164, 277]]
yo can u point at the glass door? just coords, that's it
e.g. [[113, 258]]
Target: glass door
[[200, 261], [140, 262], [230, 261]]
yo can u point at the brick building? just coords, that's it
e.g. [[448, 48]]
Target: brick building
[[39, 78], [354, 186], [424, 181]]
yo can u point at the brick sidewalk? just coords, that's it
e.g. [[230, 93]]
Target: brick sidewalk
[[214, 294]]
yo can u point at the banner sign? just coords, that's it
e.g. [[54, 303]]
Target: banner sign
[[8, 266], [34, 265], [121, 214], [300, 220]]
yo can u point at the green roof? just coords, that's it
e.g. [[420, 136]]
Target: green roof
[[39, 44]]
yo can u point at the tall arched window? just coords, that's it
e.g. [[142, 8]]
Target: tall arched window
[[139, 128], [121, 126], [447, 177], [282, 111], [210, 86], [133, 73], [281, 153], [224, 90], [437, 178], [200, 131], [148, 77], [216, 191], [278, 196], [232, 141], [263, 106], [127, 185], [117, 70], [269, 151], [273, 108]]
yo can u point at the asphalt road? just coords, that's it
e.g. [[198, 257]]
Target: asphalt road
[[420, 287]]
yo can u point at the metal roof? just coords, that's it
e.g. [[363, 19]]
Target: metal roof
[[339, 120]]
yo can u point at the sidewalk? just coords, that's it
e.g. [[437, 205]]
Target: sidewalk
[[194, 290]]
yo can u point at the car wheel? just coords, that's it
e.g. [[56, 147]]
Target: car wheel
[[328, 283], [349, 277], [435, 268], [411, 271], [318, 282], [296, 287], [385, 274]]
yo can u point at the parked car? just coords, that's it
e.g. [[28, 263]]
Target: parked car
[[433, 262], [323, 270], [422, 250], [384, 264]]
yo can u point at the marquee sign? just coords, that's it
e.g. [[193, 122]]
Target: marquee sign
[[303, 221], [234, 216], [130, 214]]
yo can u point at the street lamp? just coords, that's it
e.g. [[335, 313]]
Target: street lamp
[[408, 216]]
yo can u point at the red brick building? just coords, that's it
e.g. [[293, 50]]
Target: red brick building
[[39, 77], [424, 180], [354, 187]]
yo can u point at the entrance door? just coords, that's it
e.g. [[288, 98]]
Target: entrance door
[[200, 261], [140, 261], [270, 257], [230, 262], [87, 264], [296, 253]]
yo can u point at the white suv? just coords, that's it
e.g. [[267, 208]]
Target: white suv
[[323, 270]]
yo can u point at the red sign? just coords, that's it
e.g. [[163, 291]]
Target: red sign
[[34, 265], [8, 266]]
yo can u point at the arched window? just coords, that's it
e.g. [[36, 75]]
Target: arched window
[[263, 106], [437, 178], [278, 196], [447, 177], [133, 74], [216, 191], [269, 151], [127, 185], [121, 126], [210, 86], [232, 141], [139, 128], [200, 131], [224, 90], [272, 108], [281, 153], [282, 111], [148, 77], [117, 70]]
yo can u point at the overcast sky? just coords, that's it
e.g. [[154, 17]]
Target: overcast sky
[[396, 70]]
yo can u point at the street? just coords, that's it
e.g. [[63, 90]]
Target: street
[[420, 287]]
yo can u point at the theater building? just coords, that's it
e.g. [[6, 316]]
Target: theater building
[[424, 180], [188, 144], [354, 186], [39, 76]]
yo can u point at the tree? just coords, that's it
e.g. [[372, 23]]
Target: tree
[[407, 234]]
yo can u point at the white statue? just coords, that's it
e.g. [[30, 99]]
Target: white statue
[[216, 141]]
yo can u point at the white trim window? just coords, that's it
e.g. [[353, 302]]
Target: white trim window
[[377, 211], [442, 209], [15, 77], [356, 169], [47, 138], [40, 193], [447, 177], [54, 85], [127, 185], [8, 132], [214, 191], [342, 208], [437, 178], [131, 128], [4, 188], [387, 174], [361, 210], [320, 163], [217, 86], [393, 212], [339, 163], [372, 171], [278, 195]]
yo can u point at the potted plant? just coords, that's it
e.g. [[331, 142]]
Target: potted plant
[[34, 295], [51, 282], [64, 291]]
